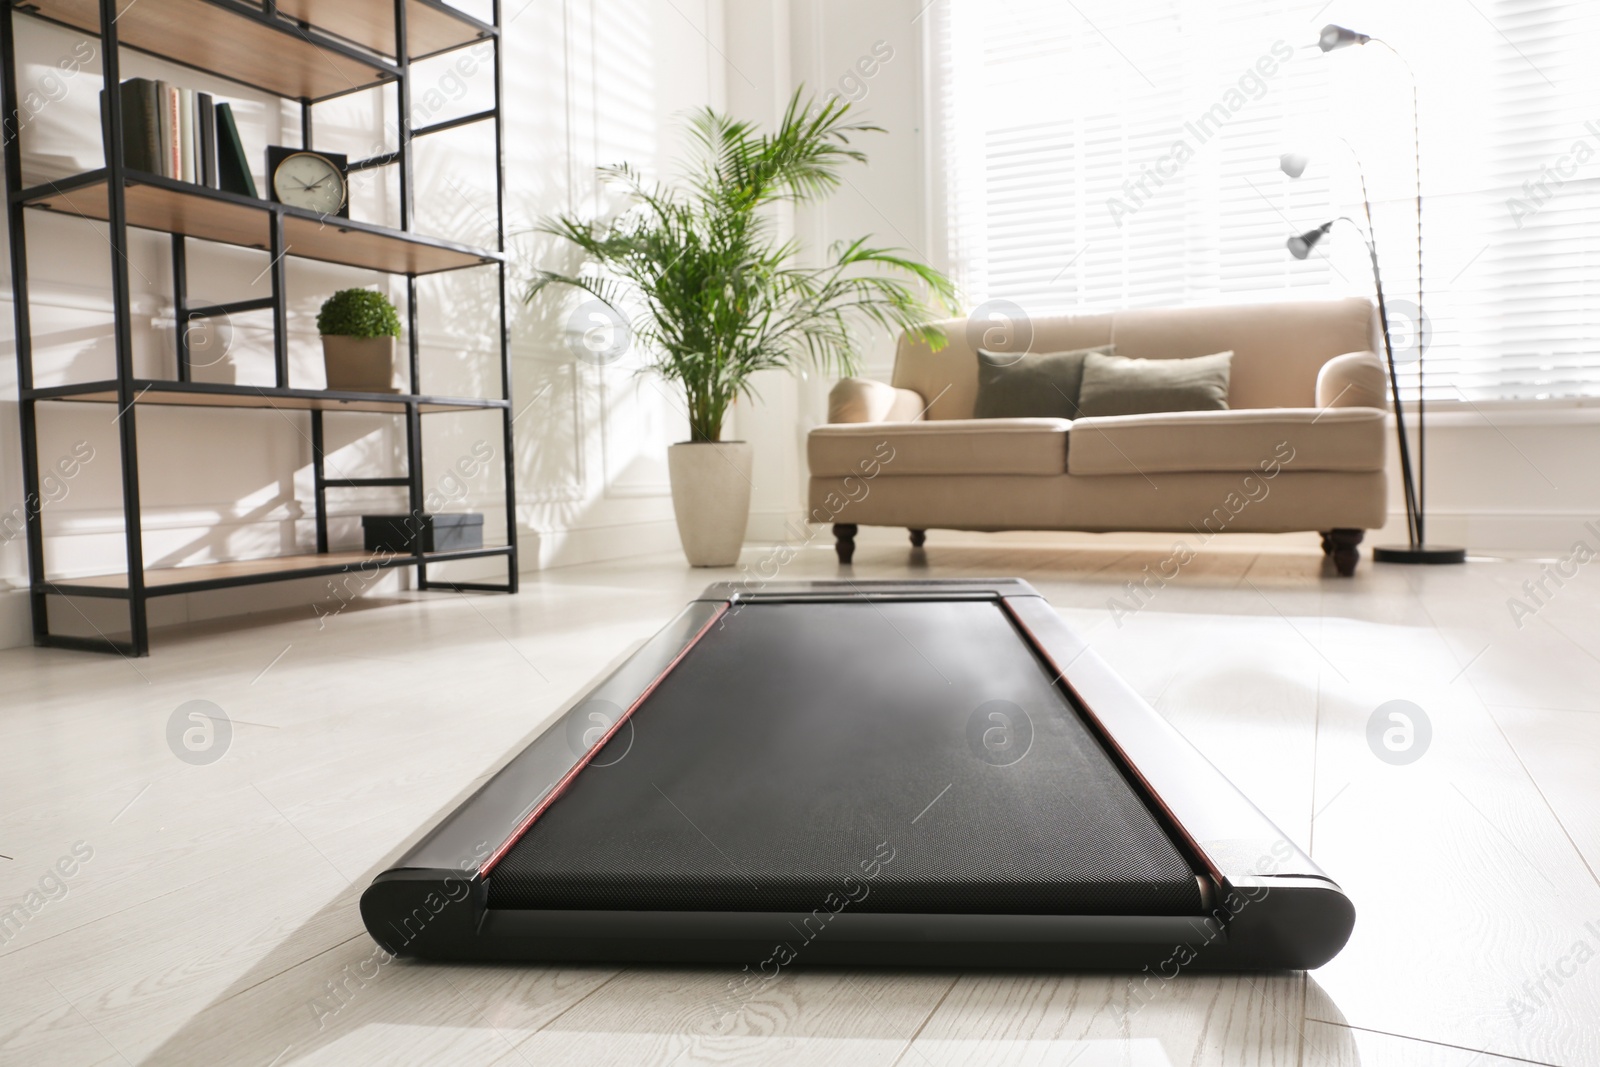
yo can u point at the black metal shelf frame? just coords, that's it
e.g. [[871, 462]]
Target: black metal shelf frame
[[128, 392]]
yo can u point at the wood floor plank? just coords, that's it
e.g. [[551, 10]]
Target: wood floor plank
[[1364, 1048], [352, 1005], [708, 1016], [1114, 1019], [1558, 748]]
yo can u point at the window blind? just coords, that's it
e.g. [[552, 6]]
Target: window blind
[[1124, 153]]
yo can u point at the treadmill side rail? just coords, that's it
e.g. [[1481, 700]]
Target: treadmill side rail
[[1233, 836], [470, 836]]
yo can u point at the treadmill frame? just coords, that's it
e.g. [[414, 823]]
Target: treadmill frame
[[1269, 906]]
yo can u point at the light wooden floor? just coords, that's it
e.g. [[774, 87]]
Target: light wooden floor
[[218, 906]]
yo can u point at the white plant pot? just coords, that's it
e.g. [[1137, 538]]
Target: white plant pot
[[711, 498]]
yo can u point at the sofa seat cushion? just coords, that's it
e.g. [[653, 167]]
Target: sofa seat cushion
[[943, 446], [1302, 439]]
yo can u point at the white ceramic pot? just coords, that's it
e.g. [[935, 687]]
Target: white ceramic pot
[[711, 498], [359, 364]]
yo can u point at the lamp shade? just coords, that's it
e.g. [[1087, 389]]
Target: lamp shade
[[1300, 246], [1335, 36]]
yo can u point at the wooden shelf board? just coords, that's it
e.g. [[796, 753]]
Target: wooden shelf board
[[181, 394], [250, 571], [430, 27], [224, 39], [156, 203]]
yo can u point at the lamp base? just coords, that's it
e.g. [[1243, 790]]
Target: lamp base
[[1418, 554]]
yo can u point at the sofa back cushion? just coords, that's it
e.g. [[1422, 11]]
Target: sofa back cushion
[[1032, 385], [1278, 349], [1117, 385], [948, 378]]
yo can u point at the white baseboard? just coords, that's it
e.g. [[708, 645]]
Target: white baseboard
[[1486, 532], [16, 624], [776, 524], [543, 549]]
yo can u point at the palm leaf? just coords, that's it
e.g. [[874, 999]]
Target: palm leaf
[[720, 297]]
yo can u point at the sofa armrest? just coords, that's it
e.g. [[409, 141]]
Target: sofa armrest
[[1353, 380], [865, 400]]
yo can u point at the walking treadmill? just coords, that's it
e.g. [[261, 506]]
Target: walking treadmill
[[931, 773]]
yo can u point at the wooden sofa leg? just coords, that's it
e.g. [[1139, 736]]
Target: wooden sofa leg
[[919, 538], [844, 540], [1344, 547]]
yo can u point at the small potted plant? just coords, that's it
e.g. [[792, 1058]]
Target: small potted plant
[[358, 328]]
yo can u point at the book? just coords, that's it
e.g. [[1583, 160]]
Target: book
[[233, 165], [185, 135], [150, 120], [164, 128], [141, 148], [206, 139], [176, 133]]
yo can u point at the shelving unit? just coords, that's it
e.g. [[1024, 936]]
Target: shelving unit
[[309, 51]]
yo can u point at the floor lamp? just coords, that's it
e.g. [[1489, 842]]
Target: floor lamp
[[1416, 549]]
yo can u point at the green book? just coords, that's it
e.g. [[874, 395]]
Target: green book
[[140, 135], [233, 168]]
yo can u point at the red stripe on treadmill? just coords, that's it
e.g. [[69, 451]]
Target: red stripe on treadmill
[[522, 828], [1110, 740]]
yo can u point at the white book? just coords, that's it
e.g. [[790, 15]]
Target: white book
[[165, 97], [186, 133]]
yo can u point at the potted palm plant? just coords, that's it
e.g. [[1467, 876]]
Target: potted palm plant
[[358, 328], [718, 296]]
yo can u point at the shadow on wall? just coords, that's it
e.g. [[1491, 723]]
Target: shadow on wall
[[592, 437]]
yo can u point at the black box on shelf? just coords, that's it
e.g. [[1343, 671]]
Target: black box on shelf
[[438, 533]]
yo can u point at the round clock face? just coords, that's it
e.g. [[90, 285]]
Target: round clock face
[[310, 181]]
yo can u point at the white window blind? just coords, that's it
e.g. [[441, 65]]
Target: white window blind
[[1124, 153]]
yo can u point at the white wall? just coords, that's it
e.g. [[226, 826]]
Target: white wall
[[1513, 477], [773, 47], [587, 82]]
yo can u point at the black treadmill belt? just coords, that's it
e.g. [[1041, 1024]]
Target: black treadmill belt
[[767, 772]]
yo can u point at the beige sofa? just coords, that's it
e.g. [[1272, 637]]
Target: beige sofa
[[1301, 446]]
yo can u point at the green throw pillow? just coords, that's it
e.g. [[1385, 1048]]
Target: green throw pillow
[[1116, 385], [1028, 385]]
